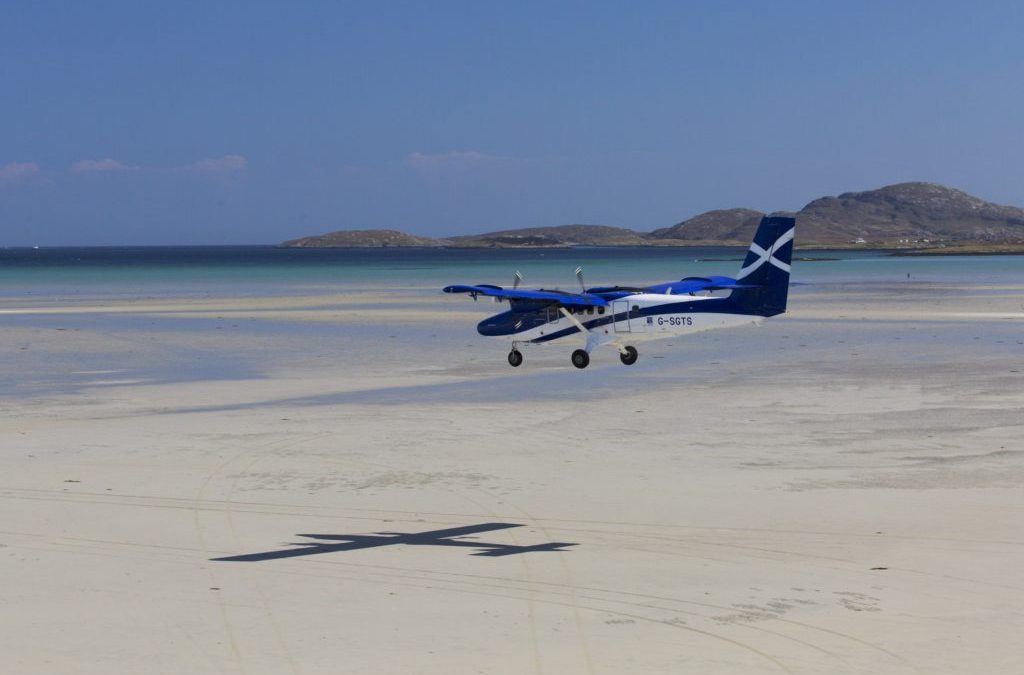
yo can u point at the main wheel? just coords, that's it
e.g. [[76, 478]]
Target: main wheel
[[580, 358], [630, 357], [515, 358]]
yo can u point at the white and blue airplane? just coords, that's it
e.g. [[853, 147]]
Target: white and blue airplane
[[620, 315]]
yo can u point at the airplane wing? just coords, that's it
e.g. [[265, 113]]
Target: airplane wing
[[557, 297], [305, 548]]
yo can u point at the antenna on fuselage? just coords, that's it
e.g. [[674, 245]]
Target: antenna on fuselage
[[579, 278], [517, 279]]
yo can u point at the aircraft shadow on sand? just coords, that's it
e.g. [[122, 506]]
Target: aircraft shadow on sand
[[330, 543]]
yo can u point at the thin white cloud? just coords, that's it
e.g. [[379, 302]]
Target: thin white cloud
[[86, 165], [225, 164], [458, 160], [15, 171]]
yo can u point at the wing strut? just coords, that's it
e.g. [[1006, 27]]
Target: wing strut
[[573, 320], [592, 339]]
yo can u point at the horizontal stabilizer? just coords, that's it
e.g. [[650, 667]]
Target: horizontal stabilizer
[[697, 284], [498, 551]]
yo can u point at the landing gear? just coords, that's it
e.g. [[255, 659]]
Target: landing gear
[[580, 358], [628, 355], [515, 358]]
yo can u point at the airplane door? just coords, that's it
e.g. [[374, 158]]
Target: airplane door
[[620, 311]]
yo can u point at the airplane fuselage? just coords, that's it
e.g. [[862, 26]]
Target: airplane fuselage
[[637, 317]]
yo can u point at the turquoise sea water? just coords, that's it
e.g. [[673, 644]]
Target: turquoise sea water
[[267, 270]]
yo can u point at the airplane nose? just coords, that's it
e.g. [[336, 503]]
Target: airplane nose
[[492, 328], [496, 325]]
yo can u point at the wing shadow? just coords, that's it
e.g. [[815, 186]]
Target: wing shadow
[[333, 543]]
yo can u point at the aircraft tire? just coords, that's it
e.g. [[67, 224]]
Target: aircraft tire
[[580, 358], [630, 357], [515, 358]]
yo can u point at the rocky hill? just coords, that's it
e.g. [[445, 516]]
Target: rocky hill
[[910, 211], [721, 225], [362, 239], [896, 215], [906, 215]]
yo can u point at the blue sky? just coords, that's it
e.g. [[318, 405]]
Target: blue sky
[[253, 122]]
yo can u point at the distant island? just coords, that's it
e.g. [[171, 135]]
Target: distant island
[[911, 218]]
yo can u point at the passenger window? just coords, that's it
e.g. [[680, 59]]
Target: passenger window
[[590, 310], [600, 310]]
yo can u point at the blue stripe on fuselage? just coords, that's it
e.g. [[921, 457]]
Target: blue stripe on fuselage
[[714, 305]]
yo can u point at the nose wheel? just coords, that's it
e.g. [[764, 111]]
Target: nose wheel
[[515, 358], [580, 358], [628, 355]]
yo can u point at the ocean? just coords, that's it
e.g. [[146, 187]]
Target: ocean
[[186, 271]]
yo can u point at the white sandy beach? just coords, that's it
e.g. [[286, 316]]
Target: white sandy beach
[[838, 491]]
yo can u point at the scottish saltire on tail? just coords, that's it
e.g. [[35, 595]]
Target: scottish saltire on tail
[[620, 316]]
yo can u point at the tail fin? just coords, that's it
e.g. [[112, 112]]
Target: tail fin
[[767, 267]]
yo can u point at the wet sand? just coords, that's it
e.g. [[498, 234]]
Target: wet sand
[[837, 491]]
